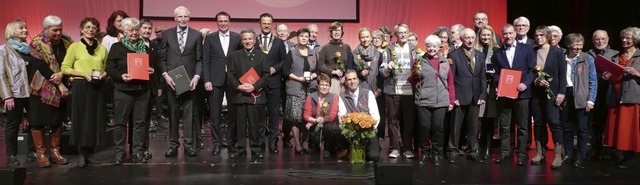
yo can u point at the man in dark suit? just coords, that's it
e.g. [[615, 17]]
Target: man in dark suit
[[522, 26], [181, 46], [545, 109], [250, 98], [217, 46], [273, 46], [514, 56], [599, 114], [470, 81]]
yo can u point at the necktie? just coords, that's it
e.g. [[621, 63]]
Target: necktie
[[355, 101], [181, 40], [225, 43], [265, 42]]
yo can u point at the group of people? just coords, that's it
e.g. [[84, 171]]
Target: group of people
[[442, 100]]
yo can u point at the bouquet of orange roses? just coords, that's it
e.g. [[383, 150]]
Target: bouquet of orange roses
[[358, 128]]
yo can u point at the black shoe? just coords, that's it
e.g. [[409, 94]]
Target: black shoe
[[12, 160], [567, 160], [118, 159], [451, 157], [273, 149], [424, 160], [436, 161], [172, 152], [31, 156], [139, 158], [475, 157], [147, 155], [522, 160], [189, 151], [237, 154], [579, 163], [502, 158], [215, 150], [258, 155], [627, 164], [200, 144]]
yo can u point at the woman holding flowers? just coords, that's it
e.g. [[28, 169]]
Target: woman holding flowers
[[434, 95], [548, 94], [300, 68], [335, 57], [321, 112]]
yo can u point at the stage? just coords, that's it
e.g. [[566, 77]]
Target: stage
[[288, 168]]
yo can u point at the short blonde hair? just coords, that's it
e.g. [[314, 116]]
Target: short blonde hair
[[12, 28], [634, 32]]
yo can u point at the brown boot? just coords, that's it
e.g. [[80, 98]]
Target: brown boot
[[38, 142], [55, 147]]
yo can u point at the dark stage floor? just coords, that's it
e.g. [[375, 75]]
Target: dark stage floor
[[287, 168]]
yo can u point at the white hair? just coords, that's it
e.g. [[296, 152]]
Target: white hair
[[555, 28], [283, 27], [397, 27], [522, 19], [130, 22], [310, 26], [179, 8], [51, 20], [460, 28], [432, 39]]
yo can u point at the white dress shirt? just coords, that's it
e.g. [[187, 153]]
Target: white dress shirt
[[224, 41], [511, 52], [372, 105]]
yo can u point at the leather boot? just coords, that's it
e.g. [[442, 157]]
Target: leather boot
[[557, 158], [539, 158], [55, 147], [38, 142]]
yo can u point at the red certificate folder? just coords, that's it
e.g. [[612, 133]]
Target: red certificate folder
[[250, 77], [138, 66], [605, 65], [509, 81]]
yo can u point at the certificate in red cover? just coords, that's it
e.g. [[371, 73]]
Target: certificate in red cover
[[508, 85], [138, 66], [605, 65], [250, 77]]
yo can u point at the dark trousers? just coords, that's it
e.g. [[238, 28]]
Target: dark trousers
[[545, 112], [184, 101], [126, 104], [598, 122], [201, 107], [215, 103], [273, 110], [14, 119], [334, 141], [382, 108], [431, 129], [513, 112], [574, 120], [401, 113], [464, 117], [487, 130], [250, 122], [147, 125]]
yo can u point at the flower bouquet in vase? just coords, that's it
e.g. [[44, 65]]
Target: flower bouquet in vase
[[358, 128]]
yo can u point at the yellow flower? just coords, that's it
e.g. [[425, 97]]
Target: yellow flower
[[325, 104], [384, 45], [538, 68], [338, 54], [418, 51], [359, 57], [393, 53]]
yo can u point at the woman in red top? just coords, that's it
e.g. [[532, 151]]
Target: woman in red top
[[321, 110], [623, 124]]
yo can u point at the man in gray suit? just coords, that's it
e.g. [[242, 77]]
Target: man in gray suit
[[217, 47], [181, 46]]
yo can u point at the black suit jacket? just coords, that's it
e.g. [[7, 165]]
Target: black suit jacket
[[117, 65], [240, 62], [464, 79], [556, 66], [190, 58], [524, 60], [275, 59], [214, 59]]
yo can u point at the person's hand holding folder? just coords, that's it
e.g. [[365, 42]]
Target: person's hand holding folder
[[126, 77]]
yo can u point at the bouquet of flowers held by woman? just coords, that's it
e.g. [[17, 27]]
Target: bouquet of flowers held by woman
[[323, 113], [361, 63], [358, 128], [544, 76]]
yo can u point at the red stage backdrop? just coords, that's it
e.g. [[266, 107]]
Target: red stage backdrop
[[422, 16]]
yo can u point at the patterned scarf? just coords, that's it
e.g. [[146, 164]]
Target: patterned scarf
[[41, 49], [138, 47], [366, 54], [21, 47]]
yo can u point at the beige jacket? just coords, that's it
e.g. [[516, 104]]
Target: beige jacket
[[13, 74]]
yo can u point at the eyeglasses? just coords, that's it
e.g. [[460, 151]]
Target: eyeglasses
[[90, 27]]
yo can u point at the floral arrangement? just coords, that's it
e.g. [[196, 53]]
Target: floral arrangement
[[394, 59], [324, 115], [340, 65], [361, 63], [358, 128], [544, 76]]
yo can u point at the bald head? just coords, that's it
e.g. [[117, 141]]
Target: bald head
[[468, 36], [600, 39], [283, 31]]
